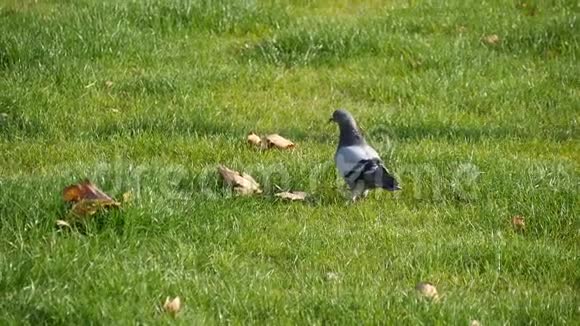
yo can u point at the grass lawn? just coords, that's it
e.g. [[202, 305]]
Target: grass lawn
[[150, 96]]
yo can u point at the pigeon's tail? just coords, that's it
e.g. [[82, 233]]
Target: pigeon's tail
[[376, 175]]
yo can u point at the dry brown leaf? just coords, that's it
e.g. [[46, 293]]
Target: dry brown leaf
[[427, 290], [491, 39], [518, 223], [294, 195], [243, 184], [254, 139], [275, 140], [172, 306]]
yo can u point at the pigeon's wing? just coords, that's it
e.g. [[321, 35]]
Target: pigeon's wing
[[351, 160]]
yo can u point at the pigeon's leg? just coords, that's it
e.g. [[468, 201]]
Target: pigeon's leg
[[357, 191], [365, 193]]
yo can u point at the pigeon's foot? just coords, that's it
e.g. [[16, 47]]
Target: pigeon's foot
[[361, 196], [358, 191]]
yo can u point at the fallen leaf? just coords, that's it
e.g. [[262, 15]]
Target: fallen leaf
[[529, 10], [427, 290], [88, 207], [275, 140], [172, 306], [127, 197], [294, 195], [109, 83], [519, 223], [332, 276], [474, 323], [87, 198], [85, 190], [62, 223], [492, 39], [243, 184], [254, 139]]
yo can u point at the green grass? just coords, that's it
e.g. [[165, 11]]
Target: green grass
[[150, 96]]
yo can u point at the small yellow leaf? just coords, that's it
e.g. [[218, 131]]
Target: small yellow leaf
[[254, 139], [332, 276], [172, 306], [62, 223], [294, 195], [492, 39], [518, 223], [427, 290], [474, 323], [127, 197]]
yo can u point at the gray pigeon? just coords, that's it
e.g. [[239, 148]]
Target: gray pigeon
[[358, 163]]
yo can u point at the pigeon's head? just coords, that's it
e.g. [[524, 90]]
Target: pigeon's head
[[342, 117]]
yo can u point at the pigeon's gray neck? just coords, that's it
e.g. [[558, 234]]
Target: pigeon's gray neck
[[349, 134]]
